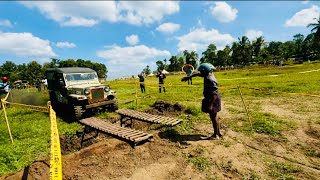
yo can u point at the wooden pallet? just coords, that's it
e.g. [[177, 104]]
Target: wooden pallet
[[141, 116], [133, 137]]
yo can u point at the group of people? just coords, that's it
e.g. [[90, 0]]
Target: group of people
[[211, 102], [160, 75]]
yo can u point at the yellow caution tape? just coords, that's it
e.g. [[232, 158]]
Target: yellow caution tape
[[35, 108], [55, 155]]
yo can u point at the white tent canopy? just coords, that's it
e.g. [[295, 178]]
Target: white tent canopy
[[165, 72]]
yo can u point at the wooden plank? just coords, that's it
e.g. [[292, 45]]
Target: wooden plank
[[133, 133], [112, 129], [136, 136], [142, 138], [149, 117]]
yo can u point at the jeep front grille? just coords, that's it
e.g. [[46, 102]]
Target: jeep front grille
[[97, 95]]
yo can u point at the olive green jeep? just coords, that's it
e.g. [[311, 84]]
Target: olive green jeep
[[78, 89]]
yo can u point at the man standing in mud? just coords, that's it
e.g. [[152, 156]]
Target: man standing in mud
[[161, 77], [212, 101], [141, 80]]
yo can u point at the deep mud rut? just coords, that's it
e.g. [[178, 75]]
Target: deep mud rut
[[236, 156]]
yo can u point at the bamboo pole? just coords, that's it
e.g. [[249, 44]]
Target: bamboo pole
[[136, 98], [6, 117], [245, 107]]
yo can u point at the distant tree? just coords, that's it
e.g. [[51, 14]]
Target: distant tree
[[174, 65], [191, 57], [160, 64], [274, 49], [8, 67], [101, 69], [222, 58], [227, 51], [68, 63], [209, 55], [34, 72], [245, 50], [298, 40], [257, 46], [236, 53], [287, 49], [315, 28], [22, 71], [146, 70], [194, 59], [84, 63], [180, 63]]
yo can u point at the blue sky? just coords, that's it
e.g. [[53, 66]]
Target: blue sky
[[127, 36]]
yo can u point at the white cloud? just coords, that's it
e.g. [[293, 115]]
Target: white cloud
[[26, 45], [133, 39], [90, 13], [131, 55], [5, 23], [304, 17], [168, 27], [199, 39], [305, 2], [130, 60], [79, 21], [223, 12], [65, 44], [253, 34], [146, 12]]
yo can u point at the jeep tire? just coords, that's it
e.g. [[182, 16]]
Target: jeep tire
[[114, 107]]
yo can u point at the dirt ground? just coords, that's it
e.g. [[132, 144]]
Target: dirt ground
[[293, 155]]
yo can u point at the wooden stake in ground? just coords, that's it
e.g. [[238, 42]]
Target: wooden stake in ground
[[136, 97], [245, 107], [6, 117]]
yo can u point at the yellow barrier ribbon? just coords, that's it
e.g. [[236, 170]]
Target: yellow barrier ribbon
[[55, 155]]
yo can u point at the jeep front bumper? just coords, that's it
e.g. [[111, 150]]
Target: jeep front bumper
[[98, 104]]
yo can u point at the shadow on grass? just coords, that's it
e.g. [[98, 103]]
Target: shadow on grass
[[174, 136]]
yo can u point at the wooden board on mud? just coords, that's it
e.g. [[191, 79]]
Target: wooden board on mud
[[168, 121], [132, 136]]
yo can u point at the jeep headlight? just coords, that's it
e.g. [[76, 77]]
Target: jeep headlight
[[106, 88], [86, 91]]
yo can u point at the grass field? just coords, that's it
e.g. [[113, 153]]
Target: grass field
[[280, 107]]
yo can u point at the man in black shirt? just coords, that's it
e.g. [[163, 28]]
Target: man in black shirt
[[161, 77], [212, 100], [141, 80]]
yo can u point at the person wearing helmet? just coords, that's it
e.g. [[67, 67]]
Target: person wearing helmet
[[212, 101], [189, 73], [161, 77], [141, 80]]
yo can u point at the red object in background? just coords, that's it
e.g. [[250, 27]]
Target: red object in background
[[4, 79]]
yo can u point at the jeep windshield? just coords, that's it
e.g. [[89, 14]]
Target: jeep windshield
[[81, 78]]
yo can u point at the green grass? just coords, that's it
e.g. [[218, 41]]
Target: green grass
[[283, 170], [262, 122], [201, 163], [198, 160], [31, 130], [31, 135]]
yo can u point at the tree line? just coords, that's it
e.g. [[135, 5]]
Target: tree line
[[34, 72], [244, 52]]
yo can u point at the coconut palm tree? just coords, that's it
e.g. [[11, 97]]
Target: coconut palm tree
[[315, 28]]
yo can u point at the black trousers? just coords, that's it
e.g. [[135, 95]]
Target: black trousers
[[190, 81], [162, 86], [142, 87]]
